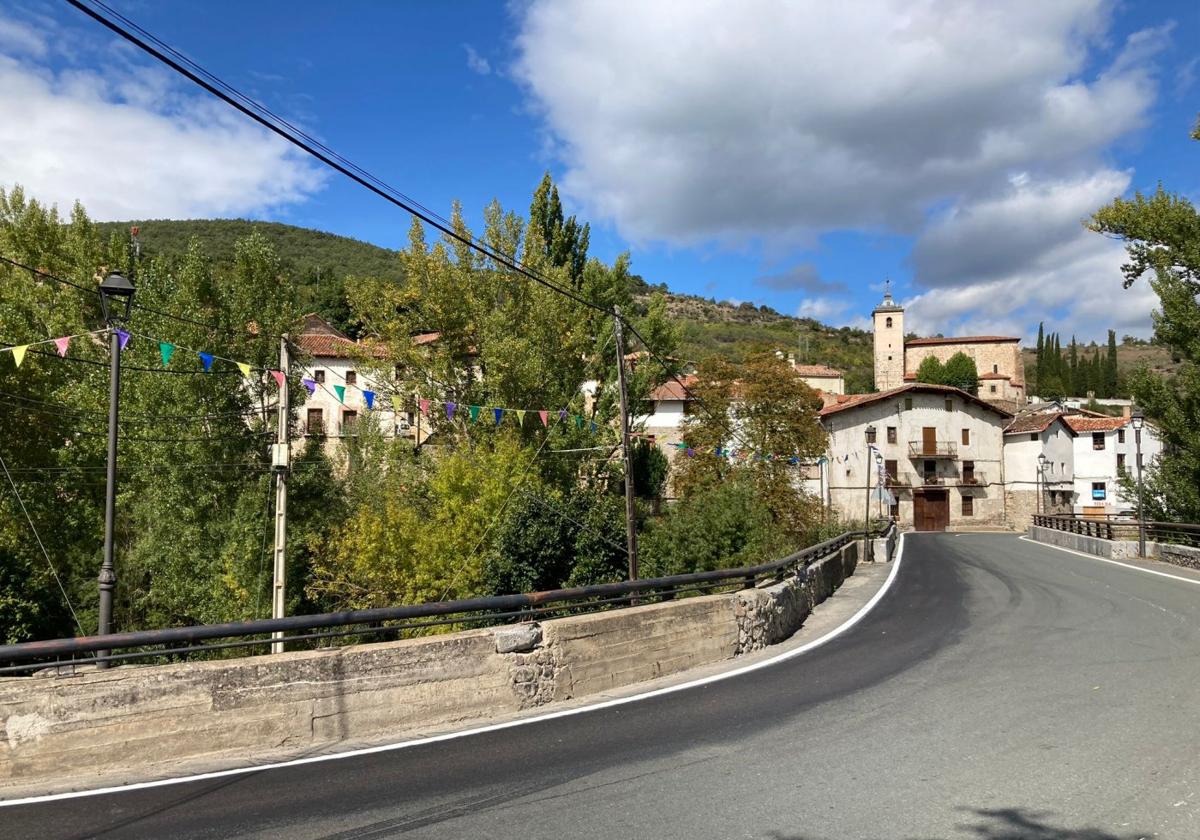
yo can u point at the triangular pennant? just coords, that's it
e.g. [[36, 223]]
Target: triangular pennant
[[166, 351], [19, 353], [396, 403], [62, 344], [578, 422], [545, 415], [520, 417], [206, 359], [562, 414], [425, 407], [450, 410], [310, 385], [369, 396], [473, 410], [594, 427], [244, 368], [279, 377], [340, 390], [691, 452], [122, 339], [498, 413]]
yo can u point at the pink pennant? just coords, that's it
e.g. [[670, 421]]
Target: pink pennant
[[545, 415], [425, 407], [279, 377], [62, 344]]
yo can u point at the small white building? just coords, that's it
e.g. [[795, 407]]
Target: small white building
[[1105, 448], [1030, 435], [942, 450]]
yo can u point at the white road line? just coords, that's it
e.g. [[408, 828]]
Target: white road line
[[1107, 560], [495, 727]]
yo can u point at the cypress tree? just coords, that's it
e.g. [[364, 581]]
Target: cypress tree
[[1110, 366], [1041, 346]]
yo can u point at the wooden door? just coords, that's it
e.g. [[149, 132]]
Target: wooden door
[[929, 440], [931, 510]]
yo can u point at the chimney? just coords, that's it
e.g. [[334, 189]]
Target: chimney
[[791, 359], [1126, 411]]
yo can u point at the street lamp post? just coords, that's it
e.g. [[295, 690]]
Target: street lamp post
[[867, 512], [1138, 419], [116, 299], [1041, 477], [879, 480]]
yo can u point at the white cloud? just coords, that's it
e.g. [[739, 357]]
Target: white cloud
[[475, 62], [131, 143]]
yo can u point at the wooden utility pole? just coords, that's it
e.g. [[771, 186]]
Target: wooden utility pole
[[630, 510], [281, 461]]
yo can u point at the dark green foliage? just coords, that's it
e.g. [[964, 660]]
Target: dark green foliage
[[960, 372], [650, 468], [534, 548], [931, 370]]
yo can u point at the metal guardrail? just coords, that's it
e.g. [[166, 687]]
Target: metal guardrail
[[1111, 527], [936, 449], [391, 621]]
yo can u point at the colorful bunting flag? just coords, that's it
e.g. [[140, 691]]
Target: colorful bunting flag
[[62, 344], [562, 414], [340, 390], [425, 407], [396, 403], [206, 359], [310, 385], [578, 422], [690, 452], [19, 353], [369, 396], [279, 377], [166, 351], [594, 427], [122, 339], [473, 410], [545, 415], [244, 368], [498, 413], [450, 410], [521, 417]]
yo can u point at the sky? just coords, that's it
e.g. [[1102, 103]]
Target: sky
[[794, 154]]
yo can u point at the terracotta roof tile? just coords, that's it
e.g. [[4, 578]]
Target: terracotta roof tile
[[672, 390], [1095, 424], [853, 400], [962, 339], [818, 371]]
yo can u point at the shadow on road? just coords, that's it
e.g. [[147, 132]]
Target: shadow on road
[[1008, 824]]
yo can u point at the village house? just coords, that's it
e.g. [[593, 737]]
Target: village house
[[1105, 449], [1039, 457], [942, 451]]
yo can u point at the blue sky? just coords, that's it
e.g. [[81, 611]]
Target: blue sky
[[790, 154]]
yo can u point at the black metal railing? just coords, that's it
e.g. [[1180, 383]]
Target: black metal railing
[[932, 449], [390, 622], [1116, 527]]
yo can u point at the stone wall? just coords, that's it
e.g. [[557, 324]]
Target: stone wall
[[1112, 549], [1178, 555], [60, 732]]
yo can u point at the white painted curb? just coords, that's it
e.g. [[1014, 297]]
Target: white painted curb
[[1104, 560], [416, 742]]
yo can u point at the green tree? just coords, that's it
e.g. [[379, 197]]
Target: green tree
[[930, 370], [960, 372], [1162, 235]]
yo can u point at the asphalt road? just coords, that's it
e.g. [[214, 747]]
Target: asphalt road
[[999, 690]]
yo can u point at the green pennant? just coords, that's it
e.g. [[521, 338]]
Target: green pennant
[[578, 422], [474, 411], [340, 390], [166, 351]]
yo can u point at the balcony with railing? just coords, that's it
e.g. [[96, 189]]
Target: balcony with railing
[[932, 449]]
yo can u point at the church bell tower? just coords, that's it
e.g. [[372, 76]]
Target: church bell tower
[[889, 342]]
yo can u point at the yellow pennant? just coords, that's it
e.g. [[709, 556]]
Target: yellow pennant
[[244, 368], [520, 417], [396, 403], [19, 354]]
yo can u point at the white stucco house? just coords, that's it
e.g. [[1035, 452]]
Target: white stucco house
[[1030, 435], [1105, 448]]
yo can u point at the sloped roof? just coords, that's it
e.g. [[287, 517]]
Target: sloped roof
[[320, 339], [847, 401], [822, 371], [962, 339], [1095, 424], [672, 390], [1034, 422]]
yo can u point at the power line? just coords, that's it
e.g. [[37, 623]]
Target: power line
[[45, 553], [61, 409]]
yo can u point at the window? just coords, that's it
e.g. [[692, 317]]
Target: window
[[870, 434], [1033, 436], [889, 358], [968, 505], [1120, 435], [995, 368], [351, 377], [319, 376], [895, 510], [891, 434], [888, 322], [966, 437], [1120, 462], [1099, 491], [1097, 440], [349, 418], [968, 472], [892, 470], [949, 404], [316, 422], [399, 371], [992, 389], [908, 403]]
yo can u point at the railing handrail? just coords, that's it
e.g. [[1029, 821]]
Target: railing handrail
[[486, 607], [940, 448]]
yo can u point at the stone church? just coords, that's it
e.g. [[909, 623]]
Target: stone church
[[997, 357]]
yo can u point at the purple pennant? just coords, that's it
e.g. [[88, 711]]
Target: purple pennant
[[691, 452], [310, 385], [450, 410], [207, 360], [122, 339], [369, 396], [562, 414]]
